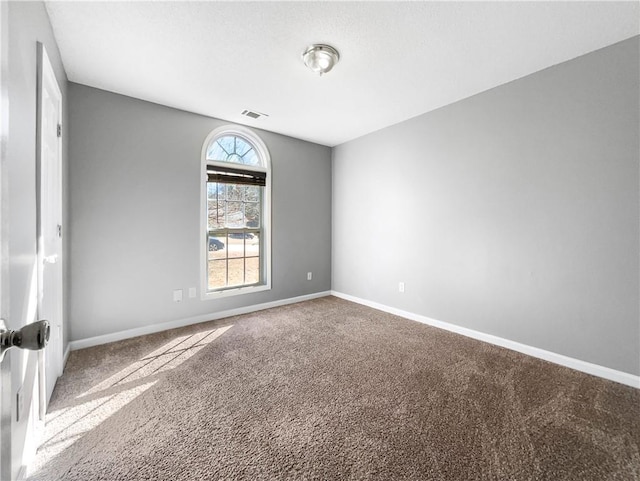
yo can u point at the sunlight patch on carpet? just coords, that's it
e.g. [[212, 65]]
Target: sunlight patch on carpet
[[66, 425], [165, 358], [82, 418]]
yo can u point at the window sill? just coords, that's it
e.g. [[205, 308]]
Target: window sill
[[234, 292]]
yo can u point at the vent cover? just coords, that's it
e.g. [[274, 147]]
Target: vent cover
[[253, 115]]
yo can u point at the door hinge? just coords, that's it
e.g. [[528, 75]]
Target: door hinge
[[59, 230], [59, 131]]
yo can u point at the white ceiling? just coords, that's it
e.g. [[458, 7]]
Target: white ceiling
[[398, 60]]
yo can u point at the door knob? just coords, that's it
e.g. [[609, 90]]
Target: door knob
[[34, 337]]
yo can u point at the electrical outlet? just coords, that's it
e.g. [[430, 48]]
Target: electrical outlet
[[192, 292], [309, 275], [177, 295], [400, 286], [19, 404]]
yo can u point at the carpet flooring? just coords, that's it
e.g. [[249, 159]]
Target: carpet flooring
[[331, 390]]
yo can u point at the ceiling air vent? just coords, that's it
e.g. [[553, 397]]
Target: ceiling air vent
[[253, 115]]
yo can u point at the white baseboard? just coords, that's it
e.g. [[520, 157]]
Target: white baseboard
[[587, 367], [141, 331]]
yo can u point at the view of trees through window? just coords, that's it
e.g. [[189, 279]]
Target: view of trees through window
[[233, 149], [233, 214], [234, 224], [234, 211]]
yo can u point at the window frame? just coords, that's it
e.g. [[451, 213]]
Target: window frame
[[263, 153]]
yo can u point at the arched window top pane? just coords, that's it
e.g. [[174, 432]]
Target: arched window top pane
[[231, 148]]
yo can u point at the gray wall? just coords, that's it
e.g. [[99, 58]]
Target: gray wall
[[135, 210], [514, 212], [28, 24]]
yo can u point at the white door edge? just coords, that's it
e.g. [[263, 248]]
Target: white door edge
[[6, 405]]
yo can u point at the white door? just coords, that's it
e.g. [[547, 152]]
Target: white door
[[50, 284], [5, 367]]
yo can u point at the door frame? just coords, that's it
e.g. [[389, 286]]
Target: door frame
[[45, 74]]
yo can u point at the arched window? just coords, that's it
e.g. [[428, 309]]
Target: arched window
[[236, 205]]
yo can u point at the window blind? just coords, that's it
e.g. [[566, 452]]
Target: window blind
[[231, 175]]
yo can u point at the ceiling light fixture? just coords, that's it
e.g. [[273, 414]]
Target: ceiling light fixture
[[320, 58]]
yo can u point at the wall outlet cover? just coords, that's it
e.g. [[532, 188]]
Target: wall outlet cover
[[177, 295]]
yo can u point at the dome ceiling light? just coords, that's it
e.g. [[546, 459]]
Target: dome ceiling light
[[320, 58]]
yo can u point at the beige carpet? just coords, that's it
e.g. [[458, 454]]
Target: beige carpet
[[331, 390]]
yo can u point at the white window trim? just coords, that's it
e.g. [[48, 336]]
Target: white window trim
[[263, 152]]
